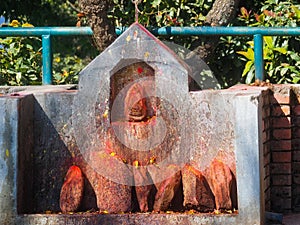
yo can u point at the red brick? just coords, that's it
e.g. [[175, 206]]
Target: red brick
[[282, 145], [297, 179], [282, 134], [281, 122], [296, 190], [267, 182], [283, 205], [281, 157], [281, 192], [266, 111], [266, 123], [267, 204], [296, 121], [296, 156], [296, 144], [296, 132], [266, 148], [280, 110], [266, 100], [281, 168], [267, 170], [280, 98], [265, 136], [267, 159], [296, 167], [282, 180], [267, 192], [296, 110]]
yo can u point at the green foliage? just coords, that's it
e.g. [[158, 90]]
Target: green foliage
[[160, 13], [20, 61], [281, 54], [232, 62], [21, 64], [66, 69]]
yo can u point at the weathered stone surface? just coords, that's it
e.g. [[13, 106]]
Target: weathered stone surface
[[48, 157], [196, 191], [51, 157], [167, 188], [72, 190], [143, 186], [221, 181], [112, 197]]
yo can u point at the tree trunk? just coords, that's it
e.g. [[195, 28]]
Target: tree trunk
[[96, 13], [221, 14]]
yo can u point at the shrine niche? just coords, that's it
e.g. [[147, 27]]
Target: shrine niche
[[132, 133]]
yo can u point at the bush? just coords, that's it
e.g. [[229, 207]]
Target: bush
[[20, 58], [21, 62], [281, 54]]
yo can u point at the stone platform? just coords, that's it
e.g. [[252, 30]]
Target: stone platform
[[37, 139]]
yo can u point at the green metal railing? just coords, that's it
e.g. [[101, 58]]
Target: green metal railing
[[256, 32]]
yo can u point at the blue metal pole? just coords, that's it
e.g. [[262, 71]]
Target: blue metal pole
[[47, 59], [64, 31], [39, 31], [232, 31], [258, 56]]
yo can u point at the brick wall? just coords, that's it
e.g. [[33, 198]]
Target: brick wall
[[266, 112], [295, 121], [281, 147]]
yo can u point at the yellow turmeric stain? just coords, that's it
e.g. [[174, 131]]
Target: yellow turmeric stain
[[7, 153], [105, 114], [146, 55], [136, 164], [152, 160]]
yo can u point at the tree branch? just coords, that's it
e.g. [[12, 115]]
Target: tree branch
[[221, 14], [96, 14]]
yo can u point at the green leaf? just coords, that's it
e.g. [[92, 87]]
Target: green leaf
[[283, 71], [249, 54], [296, 10], [269, 41], [281, 50], [158, 17], [18, 77], [247, 68], [155, 3], [250, 76], [294, 56]]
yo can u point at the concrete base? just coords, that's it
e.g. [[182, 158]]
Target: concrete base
[[139, 218], [36, 154]]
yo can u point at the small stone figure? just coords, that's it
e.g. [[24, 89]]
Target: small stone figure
[[166, 189], [72, 190], [196, 191], [221, 180], [135, 104], [142, 186]]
